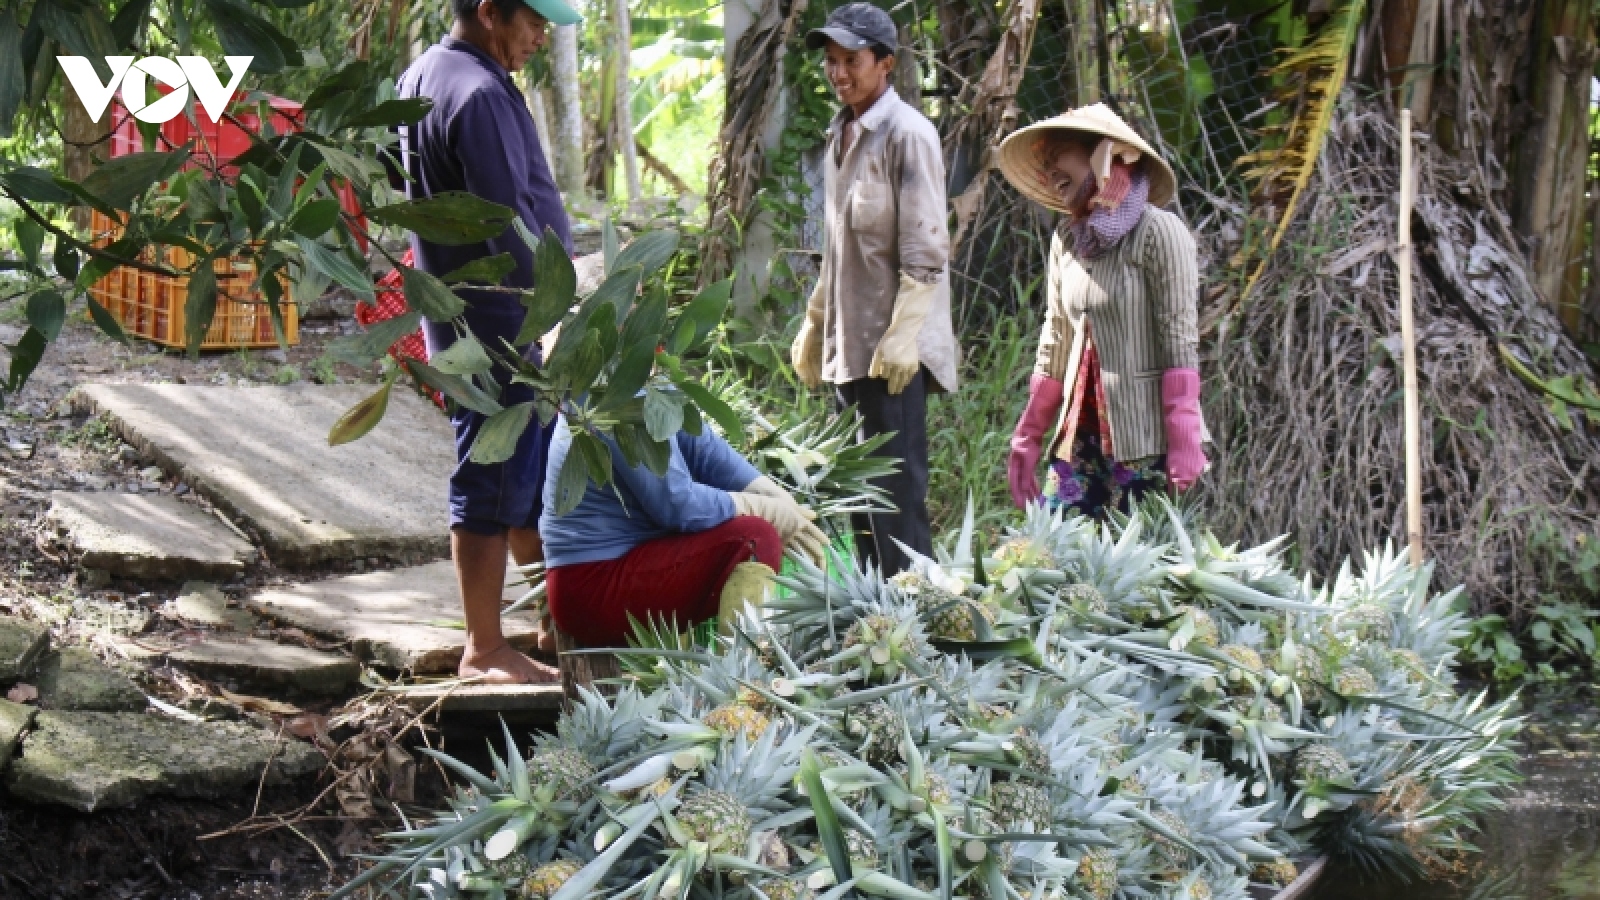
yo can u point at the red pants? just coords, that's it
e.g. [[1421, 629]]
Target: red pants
[[675, 578]]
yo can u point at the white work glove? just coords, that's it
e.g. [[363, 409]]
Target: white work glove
[[897, 360], [766, 487], [806, 352], [792, 521]]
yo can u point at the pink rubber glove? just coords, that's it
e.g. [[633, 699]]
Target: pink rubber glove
[[1180, 410], [1027, 441]]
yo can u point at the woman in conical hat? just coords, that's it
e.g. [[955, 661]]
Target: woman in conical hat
[[1116, 383]]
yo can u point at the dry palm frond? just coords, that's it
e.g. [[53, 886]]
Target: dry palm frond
[[992, 100], [754, 87], [1312, 77], [1301, 384]]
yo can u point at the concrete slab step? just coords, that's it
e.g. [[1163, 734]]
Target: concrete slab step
[[22, 644], [74, 679], [14, 720], [94, 760], [399, 618], [202, 603], [147, 536], [261, 454], [259, 662]]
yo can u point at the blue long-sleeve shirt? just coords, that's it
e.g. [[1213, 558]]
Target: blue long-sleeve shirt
[[478, 138], [691, 497]]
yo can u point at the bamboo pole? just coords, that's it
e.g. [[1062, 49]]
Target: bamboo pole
[[1408, 339]]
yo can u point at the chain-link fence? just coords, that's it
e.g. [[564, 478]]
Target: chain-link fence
[[1193, 83]]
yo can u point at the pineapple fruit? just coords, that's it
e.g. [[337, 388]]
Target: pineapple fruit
[[716, 819], [544, 881], [1022, 734]]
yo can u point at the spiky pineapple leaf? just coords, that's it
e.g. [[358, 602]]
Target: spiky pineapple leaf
[[829, 832]]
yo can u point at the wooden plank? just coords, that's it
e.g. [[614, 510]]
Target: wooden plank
[[489, 698], [1301, 886]]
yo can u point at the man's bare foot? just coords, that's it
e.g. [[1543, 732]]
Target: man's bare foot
[[504, 665], [547, 641]]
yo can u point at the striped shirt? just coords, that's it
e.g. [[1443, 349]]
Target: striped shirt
[[1139, 301]]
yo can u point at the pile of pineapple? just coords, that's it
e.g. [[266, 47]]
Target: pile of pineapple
[[1095, 711]]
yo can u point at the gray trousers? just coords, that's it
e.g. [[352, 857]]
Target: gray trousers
[[906, 415]]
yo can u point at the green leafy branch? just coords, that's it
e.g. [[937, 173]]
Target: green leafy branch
[[615, 373], [1561, 393]]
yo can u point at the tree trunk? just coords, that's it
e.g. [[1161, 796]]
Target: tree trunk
[[1085, 68], [566, 110], [1551, 158], [1591, 324], [83, 141], [533, 97], [583, 671], [624, 101], [1410, 51], [907, 71], [602, 144]]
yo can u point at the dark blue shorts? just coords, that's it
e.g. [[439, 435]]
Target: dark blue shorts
[[490, 499]]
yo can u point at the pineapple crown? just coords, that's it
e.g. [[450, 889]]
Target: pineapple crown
[[1247, 634], [607, 730], [1214, 816], [759, 773], [1084, 808], [723, 675], [1119, 566]]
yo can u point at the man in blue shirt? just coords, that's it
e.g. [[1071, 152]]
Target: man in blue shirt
[[664, 546], [479, 138]]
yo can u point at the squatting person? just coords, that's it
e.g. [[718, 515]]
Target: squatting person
[[480, 138], [686, 547], [1116, 381], [877, 327]]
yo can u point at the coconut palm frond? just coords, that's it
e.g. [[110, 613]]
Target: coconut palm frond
[[1311, 78]]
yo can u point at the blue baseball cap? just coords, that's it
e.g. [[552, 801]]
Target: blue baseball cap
[[855, 26]]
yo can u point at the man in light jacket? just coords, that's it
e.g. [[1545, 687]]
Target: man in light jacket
[[877, 326]]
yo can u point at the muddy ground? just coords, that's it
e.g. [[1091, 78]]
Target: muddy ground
[[155, 850]]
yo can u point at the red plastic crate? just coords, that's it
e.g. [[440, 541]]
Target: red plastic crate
[[150, 305], [219, 143]]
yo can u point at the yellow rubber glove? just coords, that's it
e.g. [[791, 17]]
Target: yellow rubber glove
[[806, 352], [792, 521], [897, 360]]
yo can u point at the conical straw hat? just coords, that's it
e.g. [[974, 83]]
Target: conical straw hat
[[1022, 167]]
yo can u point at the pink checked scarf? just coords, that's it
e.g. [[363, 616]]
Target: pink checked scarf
[[1114, 210]]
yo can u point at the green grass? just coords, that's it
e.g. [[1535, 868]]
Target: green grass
[[969, 432]]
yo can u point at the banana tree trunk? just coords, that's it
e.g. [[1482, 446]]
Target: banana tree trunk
[[566, 110], [534, 96], [1591, 310], [630, 155], [1410, 52], [602, 141], [1084, 73], [1550, 159]]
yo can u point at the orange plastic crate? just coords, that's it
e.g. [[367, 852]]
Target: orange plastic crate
[[151, 306]]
